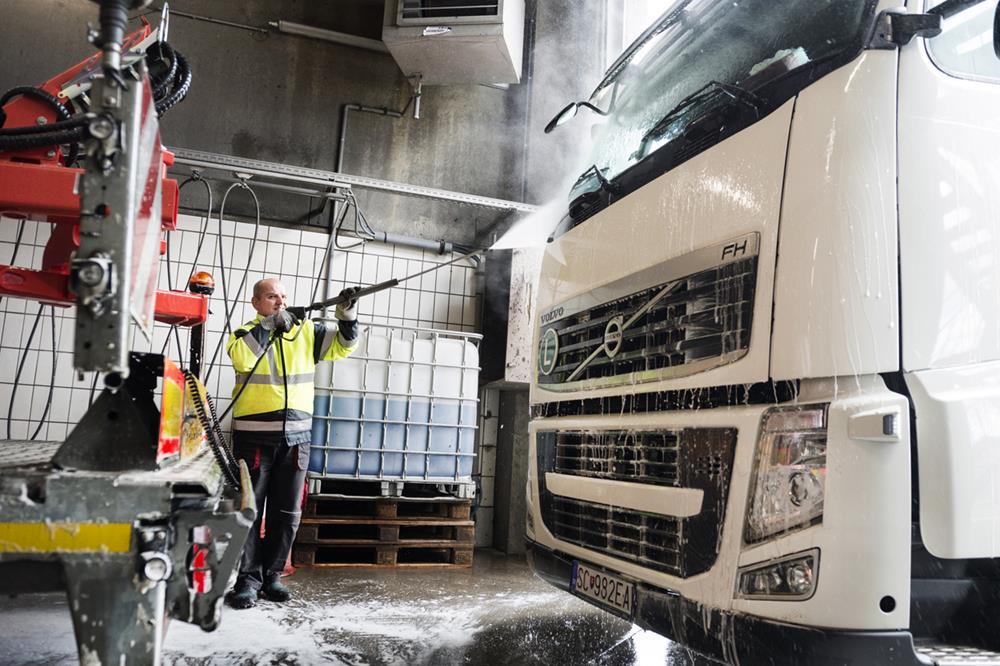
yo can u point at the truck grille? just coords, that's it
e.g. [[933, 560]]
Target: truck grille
[[653, 541], [674, 328], [623, 456], [700, 458]]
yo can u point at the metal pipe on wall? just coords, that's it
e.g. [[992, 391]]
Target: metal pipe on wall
[[291, 28]]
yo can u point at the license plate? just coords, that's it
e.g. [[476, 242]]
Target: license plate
[[607, 590]]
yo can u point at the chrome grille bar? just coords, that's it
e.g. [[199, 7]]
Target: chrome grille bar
[[701, 317]]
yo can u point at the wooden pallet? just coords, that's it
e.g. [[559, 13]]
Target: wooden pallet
[[386, 555], [333, 506], [353, 532], [373, 488], [341, 531]]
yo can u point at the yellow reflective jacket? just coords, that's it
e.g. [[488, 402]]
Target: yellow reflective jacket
[[277, 404]]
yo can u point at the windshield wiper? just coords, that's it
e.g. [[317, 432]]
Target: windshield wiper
[[701, 94], [606, 185]]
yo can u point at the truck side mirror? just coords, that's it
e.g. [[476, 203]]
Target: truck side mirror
[[996, 30], [563, 117]]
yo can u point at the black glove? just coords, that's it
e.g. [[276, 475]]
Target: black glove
[[280, 322], [347, 310]]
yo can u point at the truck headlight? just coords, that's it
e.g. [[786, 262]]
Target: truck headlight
[[791, 578], [790, 473]]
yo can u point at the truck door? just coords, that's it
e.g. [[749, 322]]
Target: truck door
[[949, 207]]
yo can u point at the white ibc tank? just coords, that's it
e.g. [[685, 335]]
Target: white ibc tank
[[403, 407]]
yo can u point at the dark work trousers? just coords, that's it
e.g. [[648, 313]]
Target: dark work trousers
[[278, 473]]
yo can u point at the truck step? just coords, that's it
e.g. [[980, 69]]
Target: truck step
[[957, 655]]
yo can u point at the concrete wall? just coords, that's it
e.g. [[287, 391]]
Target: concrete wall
[[277, 97], [511, 472]]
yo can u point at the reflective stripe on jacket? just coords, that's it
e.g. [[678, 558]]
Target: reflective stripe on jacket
[[289, 362]]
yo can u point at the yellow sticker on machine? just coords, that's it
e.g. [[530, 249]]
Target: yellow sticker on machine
[[50, 537]]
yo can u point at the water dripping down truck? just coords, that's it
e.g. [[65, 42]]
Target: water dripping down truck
[[766, 388]]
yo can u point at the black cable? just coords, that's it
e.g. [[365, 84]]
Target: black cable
[[93, 387], [37, 93], [204, 227], [340, 224], [326, 254], [59, 137], [284, 383], [20, 369], [227, 326], [17, 244], [79, 121], [216, 423], [52, 379], [173, 328], [181, 86], [62, 113], [197, 252], [246, 382], [223, 456], [161, 54]]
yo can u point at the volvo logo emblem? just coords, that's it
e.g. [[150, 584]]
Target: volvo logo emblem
[[552, 315], [548, 352], [613, 336]]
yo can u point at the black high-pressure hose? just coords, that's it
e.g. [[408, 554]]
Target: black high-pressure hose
[[170, 76], [39, 140], [37, 93], [270, 341], [52, 379], [65, 130], [20, 369], [223, 456], [194, 262], [181, 84], [227, 328], [212, 423], [159, 55]]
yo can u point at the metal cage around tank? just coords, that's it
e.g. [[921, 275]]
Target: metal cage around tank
[[402, 408]]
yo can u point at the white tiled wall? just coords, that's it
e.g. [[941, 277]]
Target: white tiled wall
[[442, 299]]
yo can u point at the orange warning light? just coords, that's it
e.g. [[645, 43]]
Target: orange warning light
[[202, 282]]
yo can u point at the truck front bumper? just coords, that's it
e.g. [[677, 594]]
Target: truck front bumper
[[742, 639]]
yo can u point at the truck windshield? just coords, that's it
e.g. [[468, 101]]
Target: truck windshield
[[704, 56]]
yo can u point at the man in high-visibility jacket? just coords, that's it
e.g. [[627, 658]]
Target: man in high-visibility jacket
[[272, 424]]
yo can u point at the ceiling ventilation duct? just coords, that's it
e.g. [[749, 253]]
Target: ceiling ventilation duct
[[445, 42]]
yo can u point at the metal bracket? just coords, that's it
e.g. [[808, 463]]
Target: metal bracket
[[94, 282], [895, 28]]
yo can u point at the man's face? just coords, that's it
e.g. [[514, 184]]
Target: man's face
[[272, 298]]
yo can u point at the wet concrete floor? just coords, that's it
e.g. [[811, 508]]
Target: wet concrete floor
[[494, 613]]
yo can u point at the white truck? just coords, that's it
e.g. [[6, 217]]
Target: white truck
[[766, 397]]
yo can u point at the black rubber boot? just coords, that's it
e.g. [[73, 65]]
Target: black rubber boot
[[242, 596], [275, 590]]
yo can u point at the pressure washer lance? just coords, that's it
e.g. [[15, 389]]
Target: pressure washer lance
[[299, 312]]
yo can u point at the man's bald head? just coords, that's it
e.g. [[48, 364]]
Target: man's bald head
[[269, 296]]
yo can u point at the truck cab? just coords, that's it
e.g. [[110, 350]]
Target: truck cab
[[766, 390]]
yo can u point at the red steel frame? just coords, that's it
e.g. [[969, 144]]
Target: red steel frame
[[34, 184]]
